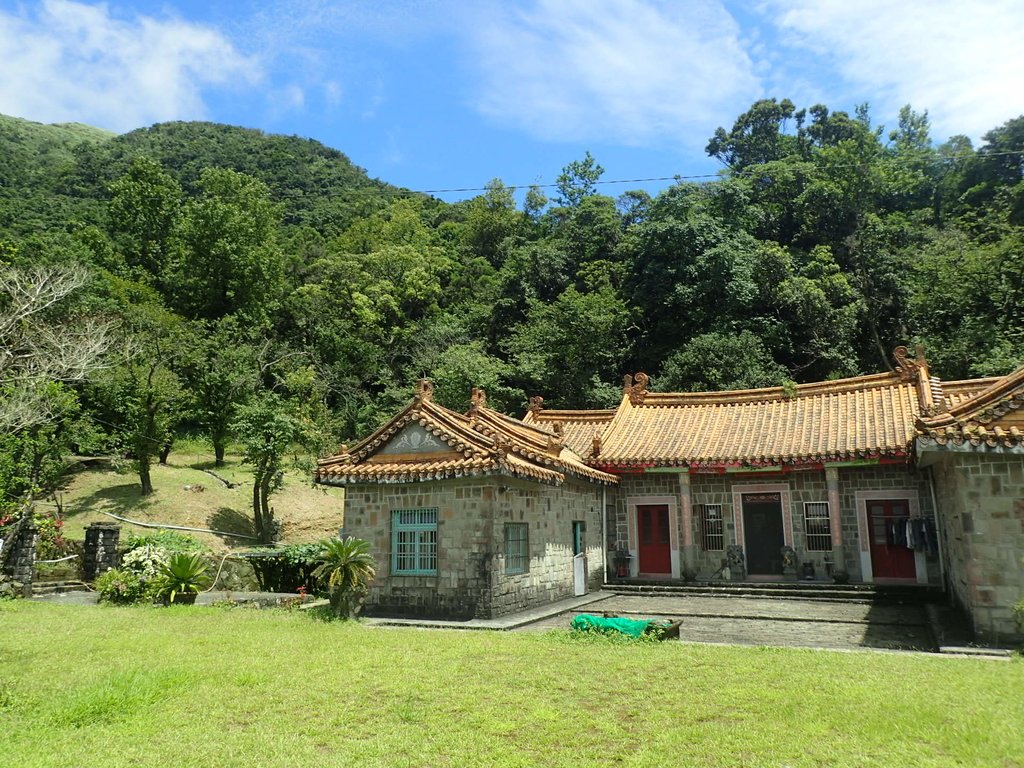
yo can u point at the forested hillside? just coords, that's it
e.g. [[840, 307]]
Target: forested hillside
[[221, 281]]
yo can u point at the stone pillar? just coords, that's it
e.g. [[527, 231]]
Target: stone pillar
[[21, 564], [835, 515], [100, 554], [686, 508]]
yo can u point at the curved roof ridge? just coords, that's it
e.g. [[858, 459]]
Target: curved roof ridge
[[731, 396], [981, 406]]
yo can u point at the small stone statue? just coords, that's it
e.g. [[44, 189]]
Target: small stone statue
[[788, 560], [734, 559]]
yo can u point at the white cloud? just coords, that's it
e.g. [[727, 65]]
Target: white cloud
[[962, 61], [641, 72], [72, 61]]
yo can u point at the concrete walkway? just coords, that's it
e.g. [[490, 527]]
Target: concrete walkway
[[562, 608], [761, 621]]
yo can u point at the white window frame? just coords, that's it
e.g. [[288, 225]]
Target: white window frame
[[712, 528], [817, 526]]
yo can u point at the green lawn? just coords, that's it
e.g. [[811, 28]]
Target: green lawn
[[215, 687]]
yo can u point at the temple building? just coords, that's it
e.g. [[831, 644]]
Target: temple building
[[892, 478]]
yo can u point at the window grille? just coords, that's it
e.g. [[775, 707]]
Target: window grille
[[712, 529], [517, 548], [817, 527], [414, 542]]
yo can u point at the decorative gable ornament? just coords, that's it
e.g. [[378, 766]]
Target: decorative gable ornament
[[635, 387]]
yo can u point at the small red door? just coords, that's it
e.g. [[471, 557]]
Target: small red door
[[655, 550], [890, 557]]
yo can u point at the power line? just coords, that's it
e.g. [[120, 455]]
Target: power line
[[724, 174]]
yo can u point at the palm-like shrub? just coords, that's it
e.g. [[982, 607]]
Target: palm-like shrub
[[181, 577], [346, 570]]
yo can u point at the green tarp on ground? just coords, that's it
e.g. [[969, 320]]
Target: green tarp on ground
[[631, 627]]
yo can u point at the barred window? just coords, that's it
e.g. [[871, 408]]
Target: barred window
[[517, 548], [817, 527], [414, 542], [712, 529]]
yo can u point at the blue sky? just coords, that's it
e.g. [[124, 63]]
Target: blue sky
[[436, 94]]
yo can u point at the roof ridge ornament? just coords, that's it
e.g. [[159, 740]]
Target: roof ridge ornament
[[477, 400], [635, 387], [595, 446], [904, 365], [424, 391]]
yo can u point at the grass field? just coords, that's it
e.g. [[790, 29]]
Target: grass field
[[186, 495], [216, 687]]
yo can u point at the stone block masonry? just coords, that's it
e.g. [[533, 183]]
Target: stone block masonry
[[100, 552], [21, 564], [981, 504], [472, 578]]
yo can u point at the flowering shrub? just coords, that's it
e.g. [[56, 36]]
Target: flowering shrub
[[120, 586], [145, 562], [50, 543]]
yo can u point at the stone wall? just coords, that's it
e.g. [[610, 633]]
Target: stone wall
[[549, 513], [471, 579], [802, 486], [20, 566], [981, 514]]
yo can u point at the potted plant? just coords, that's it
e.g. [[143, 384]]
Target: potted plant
[[181, 578], [346, 570]]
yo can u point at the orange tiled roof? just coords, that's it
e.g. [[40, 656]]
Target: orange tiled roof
[[578, 427], [479, 442], [860, 417], [981, 412]]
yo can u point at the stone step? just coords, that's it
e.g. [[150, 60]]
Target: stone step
[[58, 587], [863, 593]]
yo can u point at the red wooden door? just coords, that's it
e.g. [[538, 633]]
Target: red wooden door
[[890, 557], [655, 550]]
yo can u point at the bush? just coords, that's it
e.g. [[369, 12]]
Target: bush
[[120, 586], [145, 562], [285, 569], [171, 541]]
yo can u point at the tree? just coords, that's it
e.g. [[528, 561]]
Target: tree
[[141, 391], [756, 137], [221, 371], [577, 180], [719, 361], [229, 261], [44, 339], [145, 208], [566, 347], [270, 426]]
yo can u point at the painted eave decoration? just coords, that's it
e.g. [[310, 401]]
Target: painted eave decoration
[[989, 418], [427, 441]]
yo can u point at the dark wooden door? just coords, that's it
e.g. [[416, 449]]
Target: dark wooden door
[[890, 557], [655, 549], [762, 533]]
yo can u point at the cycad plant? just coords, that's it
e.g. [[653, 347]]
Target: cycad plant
[[181, 577], [346, 570]]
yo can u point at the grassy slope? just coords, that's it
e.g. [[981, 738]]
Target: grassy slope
[[308, 513], [205, 687]]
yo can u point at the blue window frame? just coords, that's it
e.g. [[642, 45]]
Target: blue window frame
[[414, 542]]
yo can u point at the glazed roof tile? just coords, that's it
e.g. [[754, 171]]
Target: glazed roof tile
[[481, 441], [578, 427], [983, 412], [864, 416]]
